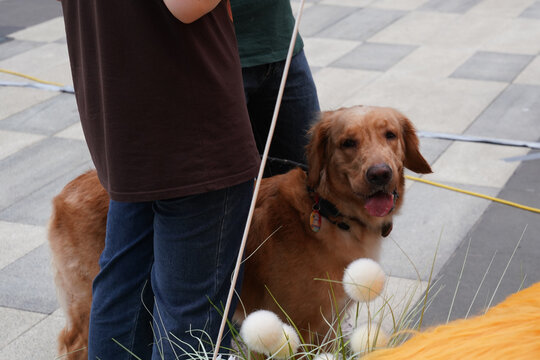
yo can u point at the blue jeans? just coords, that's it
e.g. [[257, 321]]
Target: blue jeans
[[165, 265], [298, 109]]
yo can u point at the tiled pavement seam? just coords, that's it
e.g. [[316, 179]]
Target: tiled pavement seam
[[427, 58]]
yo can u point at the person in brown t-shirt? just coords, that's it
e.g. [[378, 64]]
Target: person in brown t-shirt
[[159, 91]]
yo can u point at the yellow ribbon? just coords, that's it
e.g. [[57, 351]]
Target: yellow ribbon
[[472, 193]]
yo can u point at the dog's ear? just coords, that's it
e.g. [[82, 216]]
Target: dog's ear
[[414, 161], [316, 148]]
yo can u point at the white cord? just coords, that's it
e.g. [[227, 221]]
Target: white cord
[[259, 178], [67, 89]]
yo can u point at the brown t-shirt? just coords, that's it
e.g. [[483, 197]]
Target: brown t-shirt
[[161, 102]]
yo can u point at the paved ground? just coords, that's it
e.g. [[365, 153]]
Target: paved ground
[[457, 66]]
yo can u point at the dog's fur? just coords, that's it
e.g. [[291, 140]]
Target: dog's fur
[[284, 255]]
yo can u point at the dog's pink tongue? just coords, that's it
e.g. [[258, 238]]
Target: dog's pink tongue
[[380, 204]]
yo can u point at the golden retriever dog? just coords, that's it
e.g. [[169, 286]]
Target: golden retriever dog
[[306, 226]]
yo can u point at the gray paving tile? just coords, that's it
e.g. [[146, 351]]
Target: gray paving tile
[[493, 66], [318, 18], [35, 209], [46, 118], [315, 69], [431, 149], [453, 6], [361, 24], [38, 342], [13, 47], [514, 114], [495, 235], [17, 240], [526, 179], [532, 11], [27, 284], [430, 213], [37, 166], [476, 164], [6, 30], [15, 322], [373, 56], [16, 14]]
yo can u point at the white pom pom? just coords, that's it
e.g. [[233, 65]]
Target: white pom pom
[[363, 280], [325, 356], [365, 339], [262, 331], [290, 343]]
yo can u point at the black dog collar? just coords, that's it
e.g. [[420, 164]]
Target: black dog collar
[[329, 211]]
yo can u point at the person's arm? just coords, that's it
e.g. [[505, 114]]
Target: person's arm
[[187, 11]]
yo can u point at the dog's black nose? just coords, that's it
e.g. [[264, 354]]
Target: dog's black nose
[[379, 174]]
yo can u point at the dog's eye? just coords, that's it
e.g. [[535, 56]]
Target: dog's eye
[[390, 135], [349, 143]]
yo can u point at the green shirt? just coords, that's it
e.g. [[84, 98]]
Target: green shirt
[[263, 30]]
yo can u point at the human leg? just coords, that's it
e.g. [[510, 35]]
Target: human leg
[[119, 307], [254, 79], [298, 109], [196, 244]]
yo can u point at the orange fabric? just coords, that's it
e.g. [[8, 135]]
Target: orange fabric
[[510, 330]]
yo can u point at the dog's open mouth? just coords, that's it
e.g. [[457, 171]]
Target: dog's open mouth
[[380, 204]]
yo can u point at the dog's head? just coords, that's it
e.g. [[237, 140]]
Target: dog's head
[[359, 153]]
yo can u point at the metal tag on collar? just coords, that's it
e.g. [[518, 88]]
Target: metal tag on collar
[[315, 217]]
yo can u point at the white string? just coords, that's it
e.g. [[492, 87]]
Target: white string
[[67, 89], [259, 178]]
